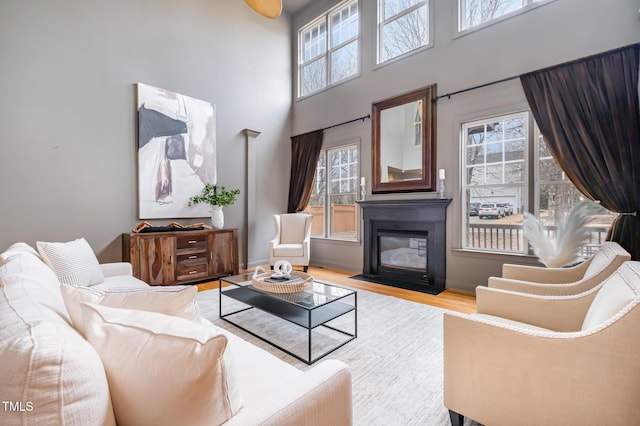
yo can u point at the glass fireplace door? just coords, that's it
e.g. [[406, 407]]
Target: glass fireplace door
[[402, 252]]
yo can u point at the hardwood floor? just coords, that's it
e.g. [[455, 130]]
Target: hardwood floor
[[448, 299]]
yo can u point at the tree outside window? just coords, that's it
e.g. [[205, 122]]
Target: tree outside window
[[403, 27], [328, 48], [473, 13], [335, 191], [497, 188]]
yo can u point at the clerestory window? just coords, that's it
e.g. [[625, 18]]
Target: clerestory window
[[329, 49], [403, 27], [477, 13]]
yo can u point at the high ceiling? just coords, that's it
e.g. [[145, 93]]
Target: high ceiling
[[293, 6]]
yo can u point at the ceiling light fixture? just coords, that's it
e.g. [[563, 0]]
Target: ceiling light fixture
[[269, 8]]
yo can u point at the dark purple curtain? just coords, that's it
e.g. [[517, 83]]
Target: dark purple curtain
[[589, 113], [305, 152]]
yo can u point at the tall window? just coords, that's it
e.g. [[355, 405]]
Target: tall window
[[403, 26], [495, 177], [328, 49], [497, 189], [474, 13], [335, 190]]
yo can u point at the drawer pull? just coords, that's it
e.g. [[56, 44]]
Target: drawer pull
[[192, 241], [193, 257], [193, 272]]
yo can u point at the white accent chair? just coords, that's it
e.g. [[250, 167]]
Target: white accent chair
[[562, 281], [547, 360], [293, 239]]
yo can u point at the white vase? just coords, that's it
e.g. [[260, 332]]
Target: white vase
[[217, 217]]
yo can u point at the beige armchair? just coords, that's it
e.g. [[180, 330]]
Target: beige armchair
[[562, 281], [293, 239], [547, 360]]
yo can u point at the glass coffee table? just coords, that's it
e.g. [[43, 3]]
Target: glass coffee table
[[312, 308]]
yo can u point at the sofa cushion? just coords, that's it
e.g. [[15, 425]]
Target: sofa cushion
[[617, 291], [174, 371], [74, 262], [19, 248], [30, 282], [259, 373], [121, 281], [43, 360], [288, 250], [176, 300]]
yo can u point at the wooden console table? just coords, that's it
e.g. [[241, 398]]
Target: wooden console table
[[180, 257]]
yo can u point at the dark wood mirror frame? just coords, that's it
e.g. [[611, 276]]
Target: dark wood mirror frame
[[417, 180]]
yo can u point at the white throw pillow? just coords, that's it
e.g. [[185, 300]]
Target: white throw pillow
[[615, 294], [178, 301], [74, 262], [45, 365], [163, 370]]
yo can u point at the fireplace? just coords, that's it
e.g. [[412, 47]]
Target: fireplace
[[404, 243]]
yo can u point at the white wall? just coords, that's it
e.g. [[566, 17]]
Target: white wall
[[68, 163], [560, 31]]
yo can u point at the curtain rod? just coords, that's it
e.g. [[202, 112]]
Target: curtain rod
[[364, 117], [608, 52], [448, 95]]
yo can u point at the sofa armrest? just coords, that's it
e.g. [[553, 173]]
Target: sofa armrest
[[559, 313], [320, 396], [545, 275], [544, 289], [116, 268]]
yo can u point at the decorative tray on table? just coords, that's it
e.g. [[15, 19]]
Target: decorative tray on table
[[264, 280]]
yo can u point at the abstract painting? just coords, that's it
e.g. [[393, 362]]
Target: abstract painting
[[176, 153]]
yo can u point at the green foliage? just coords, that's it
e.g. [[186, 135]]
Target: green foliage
[[215, 195]]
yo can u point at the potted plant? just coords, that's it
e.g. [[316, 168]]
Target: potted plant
[[217, 197]]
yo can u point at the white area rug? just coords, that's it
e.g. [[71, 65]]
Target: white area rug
[[396, 360]]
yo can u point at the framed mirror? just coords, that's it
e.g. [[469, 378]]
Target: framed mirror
[[404, 142]]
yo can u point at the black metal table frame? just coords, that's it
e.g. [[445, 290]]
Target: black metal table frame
[[276, 307]]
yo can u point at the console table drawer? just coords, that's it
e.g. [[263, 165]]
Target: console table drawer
[[190, 242], [190, 272], [193, 258]]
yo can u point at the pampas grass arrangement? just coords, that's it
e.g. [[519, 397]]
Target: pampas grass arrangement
[[571, 234]]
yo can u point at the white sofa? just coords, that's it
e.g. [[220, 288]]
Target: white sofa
[[50, 374]]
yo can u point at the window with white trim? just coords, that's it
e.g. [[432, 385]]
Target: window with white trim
[[475, 13], [497, 189], [495, 180], [403, 26], [334, 194], [328, 50]]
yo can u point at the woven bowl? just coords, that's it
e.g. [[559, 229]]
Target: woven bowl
[[285, 287]]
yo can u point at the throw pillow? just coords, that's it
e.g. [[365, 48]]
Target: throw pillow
[[615, 294], [74, 262], [178, 301], [44, 362], [163, 370]]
